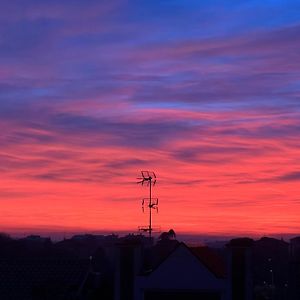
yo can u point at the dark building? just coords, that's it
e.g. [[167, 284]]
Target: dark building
[[240, 268], [270, 269], [133, 267], [23, 279], [294, 269]]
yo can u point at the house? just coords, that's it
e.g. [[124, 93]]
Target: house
[[185, 273], [169, 270]]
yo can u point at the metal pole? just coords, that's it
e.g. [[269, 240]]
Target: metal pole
[[150, 207]]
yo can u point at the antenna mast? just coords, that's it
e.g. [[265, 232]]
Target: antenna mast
[[150, 179]]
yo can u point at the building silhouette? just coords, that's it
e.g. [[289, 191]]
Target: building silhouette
[[135, 267]]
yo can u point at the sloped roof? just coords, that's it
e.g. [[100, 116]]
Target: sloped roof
[[41, 279], [213, 262]]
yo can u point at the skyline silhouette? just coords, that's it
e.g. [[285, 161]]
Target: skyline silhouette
[[140, 267]]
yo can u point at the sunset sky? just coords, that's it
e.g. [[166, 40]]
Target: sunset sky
[[204, 93]]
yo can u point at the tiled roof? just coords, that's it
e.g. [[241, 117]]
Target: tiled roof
[[41, 279]]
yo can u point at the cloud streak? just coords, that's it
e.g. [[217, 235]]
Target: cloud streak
[[203, 93]]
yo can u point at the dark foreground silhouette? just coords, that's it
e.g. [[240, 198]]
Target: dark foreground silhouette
[[136, 267]]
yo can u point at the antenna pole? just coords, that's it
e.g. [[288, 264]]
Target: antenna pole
[[150, 206], [152, 203]]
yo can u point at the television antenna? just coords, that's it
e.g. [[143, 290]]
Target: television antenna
[[148, 178]]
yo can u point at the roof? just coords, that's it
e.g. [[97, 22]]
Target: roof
[[241, 243], [33, 279], [267, 241], [213, 262], [295, 239]]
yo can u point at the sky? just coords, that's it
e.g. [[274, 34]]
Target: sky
[[204, 93]]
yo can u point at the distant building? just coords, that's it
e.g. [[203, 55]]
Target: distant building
[[294, 271], [270, 268]]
